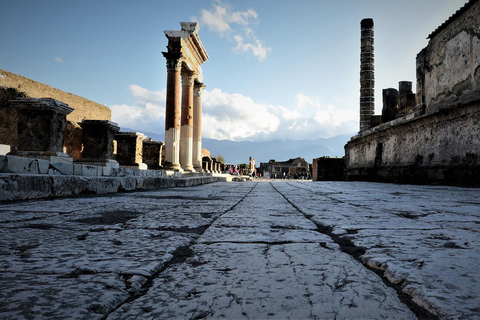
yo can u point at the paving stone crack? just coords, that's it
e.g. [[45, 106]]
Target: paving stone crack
[[179, 255], [348, 247]]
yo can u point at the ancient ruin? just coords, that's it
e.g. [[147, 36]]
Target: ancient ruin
[[185, 56], [292, 168], [367, 78], [431, 136]]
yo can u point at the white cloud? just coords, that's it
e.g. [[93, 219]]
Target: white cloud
[[223, 19], [58, 59], [235, 116], [146, 115], [217, 20], [257, 48]]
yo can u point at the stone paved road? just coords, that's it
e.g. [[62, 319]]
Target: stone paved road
[[279, 250]]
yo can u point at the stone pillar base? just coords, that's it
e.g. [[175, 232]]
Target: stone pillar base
[[188, 168], [172, 166], [57, 157]]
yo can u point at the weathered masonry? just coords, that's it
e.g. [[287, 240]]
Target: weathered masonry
[[431, 136], [183, 140]]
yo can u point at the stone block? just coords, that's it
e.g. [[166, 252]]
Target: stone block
[[4, 149], [2, 163], [61, 168], [86, 170], [97, 138], [16, 164], [41, 124], [107, 171]]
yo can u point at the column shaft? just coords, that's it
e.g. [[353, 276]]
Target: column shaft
[[172, 114], [197, 126], [186, 129]]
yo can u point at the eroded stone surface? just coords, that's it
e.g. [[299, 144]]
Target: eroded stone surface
[[286, 249]]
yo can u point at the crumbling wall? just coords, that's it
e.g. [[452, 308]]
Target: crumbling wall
[[437, 148], [438, 143], [448, 69], [13, 86]]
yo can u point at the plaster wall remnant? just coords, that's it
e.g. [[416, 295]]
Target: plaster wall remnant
[[435, 140], [185, 55], [367, 75]]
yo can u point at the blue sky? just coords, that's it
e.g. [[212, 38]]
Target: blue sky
[[278, 69]]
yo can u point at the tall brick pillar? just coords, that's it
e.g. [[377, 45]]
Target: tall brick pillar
[[367, 77], [186, 129], [172, 111], [197, 126]]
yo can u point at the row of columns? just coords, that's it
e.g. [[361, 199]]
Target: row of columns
[[183, 128]]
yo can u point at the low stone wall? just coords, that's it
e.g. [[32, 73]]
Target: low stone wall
[[441, 147], [25, 178]]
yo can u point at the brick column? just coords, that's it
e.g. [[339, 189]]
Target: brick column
[[367, 77], [186, 129], [172, 112], [197, 126]]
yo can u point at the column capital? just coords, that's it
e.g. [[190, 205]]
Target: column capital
[[198, 89], [188, 78], [174, 60]]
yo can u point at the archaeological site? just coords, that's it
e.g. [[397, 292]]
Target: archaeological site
[[55, 143], [431, 136], [109, 224]]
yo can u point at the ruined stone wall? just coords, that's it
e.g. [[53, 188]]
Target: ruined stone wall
[[448, 69], [438, 143], [13, 86], [436, 148], [84, 108]]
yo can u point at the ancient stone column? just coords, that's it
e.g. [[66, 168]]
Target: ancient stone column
[[197, 126], [172, 112], [97, 140], [130, 149], [41, 128], [186, 129], [367, 77]]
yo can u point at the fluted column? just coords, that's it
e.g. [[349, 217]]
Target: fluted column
[[197, 126], [186, 129], [172, 112]]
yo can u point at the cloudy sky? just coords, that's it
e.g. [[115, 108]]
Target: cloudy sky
[[278, 69]]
